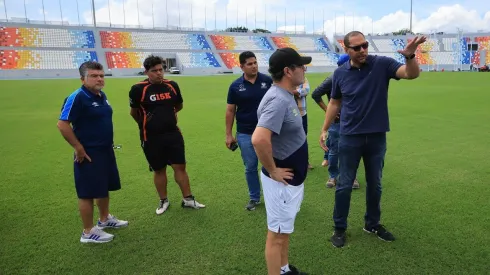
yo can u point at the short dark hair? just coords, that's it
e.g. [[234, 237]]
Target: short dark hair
[[276, 76], [89, 65], [152, 61], [245, 55], [349, 35]]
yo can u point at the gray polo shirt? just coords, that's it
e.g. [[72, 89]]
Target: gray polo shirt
[[279, 113]]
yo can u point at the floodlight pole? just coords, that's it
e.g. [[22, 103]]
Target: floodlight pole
[[93, 13], [411, 14], [5, 8]]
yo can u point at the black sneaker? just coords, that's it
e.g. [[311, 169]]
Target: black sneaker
[[381, 232], [251, 205], [338, 238], [294, 271]]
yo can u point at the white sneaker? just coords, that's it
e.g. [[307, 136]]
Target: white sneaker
[[162, 207], [192, 203], [96, 235], [112, 222]]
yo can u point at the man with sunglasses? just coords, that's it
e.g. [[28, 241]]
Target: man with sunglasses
[[360, 89]]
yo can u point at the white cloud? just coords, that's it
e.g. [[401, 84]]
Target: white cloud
[[259, 12], [445, 19], [158, 12]]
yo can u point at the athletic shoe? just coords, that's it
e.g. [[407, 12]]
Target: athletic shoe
[[192, 203], [338, 238], [162, 206], [252, 204], [331, 182], [112, 222], [96, 235], [294, 271], [381, 232]]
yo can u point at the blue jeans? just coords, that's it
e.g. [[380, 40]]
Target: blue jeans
[[251, 162], [333, 150], [372, 149]]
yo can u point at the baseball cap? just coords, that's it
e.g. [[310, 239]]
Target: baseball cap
[[342, 59], [286, 57]]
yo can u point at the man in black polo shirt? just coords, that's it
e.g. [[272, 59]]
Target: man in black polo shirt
[[154, 104], [360, 88], [244, 96], [95, 168]]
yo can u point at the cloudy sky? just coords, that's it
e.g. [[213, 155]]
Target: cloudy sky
[[377, 16]]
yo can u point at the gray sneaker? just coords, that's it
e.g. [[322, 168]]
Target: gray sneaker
[[96, 235], [331, 182], [252, 204]]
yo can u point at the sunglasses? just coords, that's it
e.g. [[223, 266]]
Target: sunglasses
[[357, 48]]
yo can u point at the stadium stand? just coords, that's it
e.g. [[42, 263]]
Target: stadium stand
[[231, 59], [44, 59], [302, 44], [241, 42], [46, 37], [59, 50], [153, 40], [134, 60]]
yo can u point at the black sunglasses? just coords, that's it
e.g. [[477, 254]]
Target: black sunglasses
[[357, 48]]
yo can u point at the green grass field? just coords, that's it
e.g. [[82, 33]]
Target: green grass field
[[435, 197]]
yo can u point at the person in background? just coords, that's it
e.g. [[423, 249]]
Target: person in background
[[330, 158], [244, 96], [300, 95]]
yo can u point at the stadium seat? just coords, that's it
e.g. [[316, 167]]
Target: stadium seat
[[44, 37], [300, 43], [198, 60], [153, 40], [483, 42], [44, 59], [240, 42], [231, 59]]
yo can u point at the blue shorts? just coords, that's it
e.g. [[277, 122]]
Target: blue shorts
[[95, 179]]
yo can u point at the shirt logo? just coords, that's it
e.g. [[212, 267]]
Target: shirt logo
[[95, 104], [295, 111], [263, 85], [162, 96], [241, 88]]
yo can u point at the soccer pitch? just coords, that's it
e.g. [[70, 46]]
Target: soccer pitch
[[435, 188]]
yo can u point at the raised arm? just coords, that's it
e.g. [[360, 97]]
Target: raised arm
[[411, 69]]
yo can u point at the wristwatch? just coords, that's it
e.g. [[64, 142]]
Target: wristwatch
[[412, 56]]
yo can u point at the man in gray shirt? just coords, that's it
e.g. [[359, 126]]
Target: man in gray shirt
[[280, 143]]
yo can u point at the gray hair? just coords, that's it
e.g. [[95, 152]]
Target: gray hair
[[89, 65]]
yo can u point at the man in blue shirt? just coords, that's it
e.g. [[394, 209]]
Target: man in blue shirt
[[91, 135], [244, 97], [360, 88]]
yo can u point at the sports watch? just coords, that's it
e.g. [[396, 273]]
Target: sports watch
[[410, 56]]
